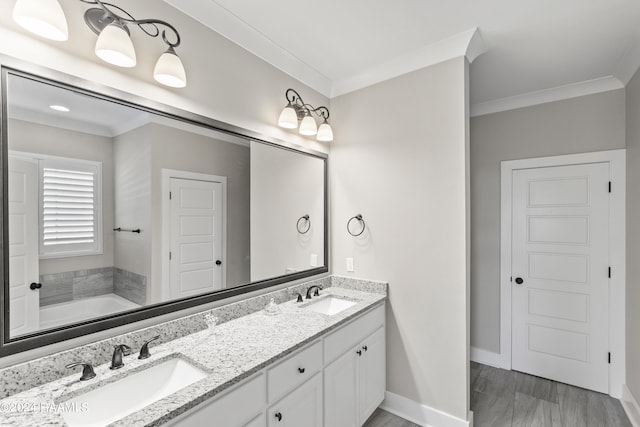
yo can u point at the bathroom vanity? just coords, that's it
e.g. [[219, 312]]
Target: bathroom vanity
[[296, 367]]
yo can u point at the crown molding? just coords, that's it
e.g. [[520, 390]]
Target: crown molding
[[468, 43], [559, 93], [629, 65], [222, 21]]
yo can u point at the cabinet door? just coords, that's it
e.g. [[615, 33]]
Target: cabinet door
[[300, 408], [258, 421], [340, 391], [372, 376]]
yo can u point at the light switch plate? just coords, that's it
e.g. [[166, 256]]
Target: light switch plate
[[350, 267], [314, 260]]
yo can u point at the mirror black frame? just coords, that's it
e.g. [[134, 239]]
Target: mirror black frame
[[10, 66]]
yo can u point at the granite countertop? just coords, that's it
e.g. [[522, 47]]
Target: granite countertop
[[229, 353]]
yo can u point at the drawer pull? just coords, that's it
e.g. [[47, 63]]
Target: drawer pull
[[301, 370], [278, 416], [365, 348], [359, 352]]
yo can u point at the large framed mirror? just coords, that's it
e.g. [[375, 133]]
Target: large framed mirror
[[118, 209]]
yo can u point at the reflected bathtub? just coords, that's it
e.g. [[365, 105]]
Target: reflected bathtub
[[54, 315]]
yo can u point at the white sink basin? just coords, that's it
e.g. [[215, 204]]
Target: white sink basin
[[330, 305], [118, 399]]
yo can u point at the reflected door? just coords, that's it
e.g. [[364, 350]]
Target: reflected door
[[24, 302], [196, 237], [560, 274]]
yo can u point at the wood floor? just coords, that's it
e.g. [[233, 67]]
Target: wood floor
[[502, 398]]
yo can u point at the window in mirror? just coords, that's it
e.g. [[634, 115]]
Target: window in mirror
[[70, 207]]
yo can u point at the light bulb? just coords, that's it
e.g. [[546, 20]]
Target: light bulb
[[169, 70], [42, 17], [115, 47], [288, 118], [308, 126], [325, 133]]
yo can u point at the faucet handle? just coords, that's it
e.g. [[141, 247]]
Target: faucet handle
[[299, 297], [317, 292], [87, 370], [126, 350], [144, 350]]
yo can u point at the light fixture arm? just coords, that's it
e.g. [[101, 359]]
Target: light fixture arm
[[98, 18], [302, 109]]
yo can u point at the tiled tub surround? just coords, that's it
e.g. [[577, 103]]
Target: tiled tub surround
[[79, 284], [230, 352]]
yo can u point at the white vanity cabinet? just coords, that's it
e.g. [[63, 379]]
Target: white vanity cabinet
[[336, 381], [301, 408], [354, 384]]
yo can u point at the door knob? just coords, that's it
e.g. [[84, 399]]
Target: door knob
[[519, 281], [35, 286], [279, 416], [218, 262]]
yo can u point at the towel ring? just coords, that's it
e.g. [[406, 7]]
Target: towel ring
[[299, 228], [359, 218]]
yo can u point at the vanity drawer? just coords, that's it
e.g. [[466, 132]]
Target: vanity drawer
[[348, 336], [235, 408], [294, 371]]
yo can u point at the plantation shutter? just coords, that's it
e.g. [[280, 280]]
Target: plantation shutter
[[70, 207]]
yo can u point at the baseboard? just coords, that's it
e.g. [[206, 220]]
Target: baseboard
[[421, 414], [630, 405], [487, 358]]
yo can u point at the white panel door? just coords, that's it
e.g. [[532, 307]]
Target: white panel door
[[24, 302], [560, 274], [196, 237]]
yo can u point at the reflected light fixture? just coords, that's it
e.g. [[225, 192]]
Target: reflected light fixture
[[111, 23], [60, 108], [297, 110]]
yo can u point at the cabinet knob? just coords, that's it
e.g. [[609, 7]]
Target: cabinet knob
[[301, 370], [278, 416], [365, 348], [359, 352]]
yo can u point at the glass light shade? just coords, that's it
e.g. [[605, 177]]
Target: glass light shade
[[42, 17], [115, 47], [169, 70], [308, 126], [325, 133], [288, 118]]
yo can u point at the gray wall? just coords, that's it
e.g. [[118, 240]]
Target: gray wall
[[399, 159], [285, 186], [578, 125], [633, 236]]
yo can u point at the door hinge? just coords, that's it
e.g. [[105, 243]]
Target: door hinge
[[609, 186], [511, 279], [609, 272], [170, 195], [609, 358], [169, 256]]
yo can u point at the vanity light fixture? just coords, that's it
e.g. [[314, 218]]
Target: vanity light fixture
[[111, 23], [296, 110]]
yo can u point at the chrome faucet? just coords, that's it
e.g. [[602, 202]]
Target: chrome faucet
[[316, 293], [118, 352]]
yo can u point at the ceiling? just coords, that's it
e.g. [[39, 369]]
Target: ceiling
[[532, 46]]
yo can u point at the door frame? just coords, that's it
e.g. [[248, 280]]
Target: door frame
[[616, 327], [167, 174]]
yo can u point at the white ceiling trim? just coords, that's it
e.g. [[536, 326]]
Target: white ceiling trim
[[629, 65], [222, 21], [468, 43], [58, 121], [559, 93], [227, 24]]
